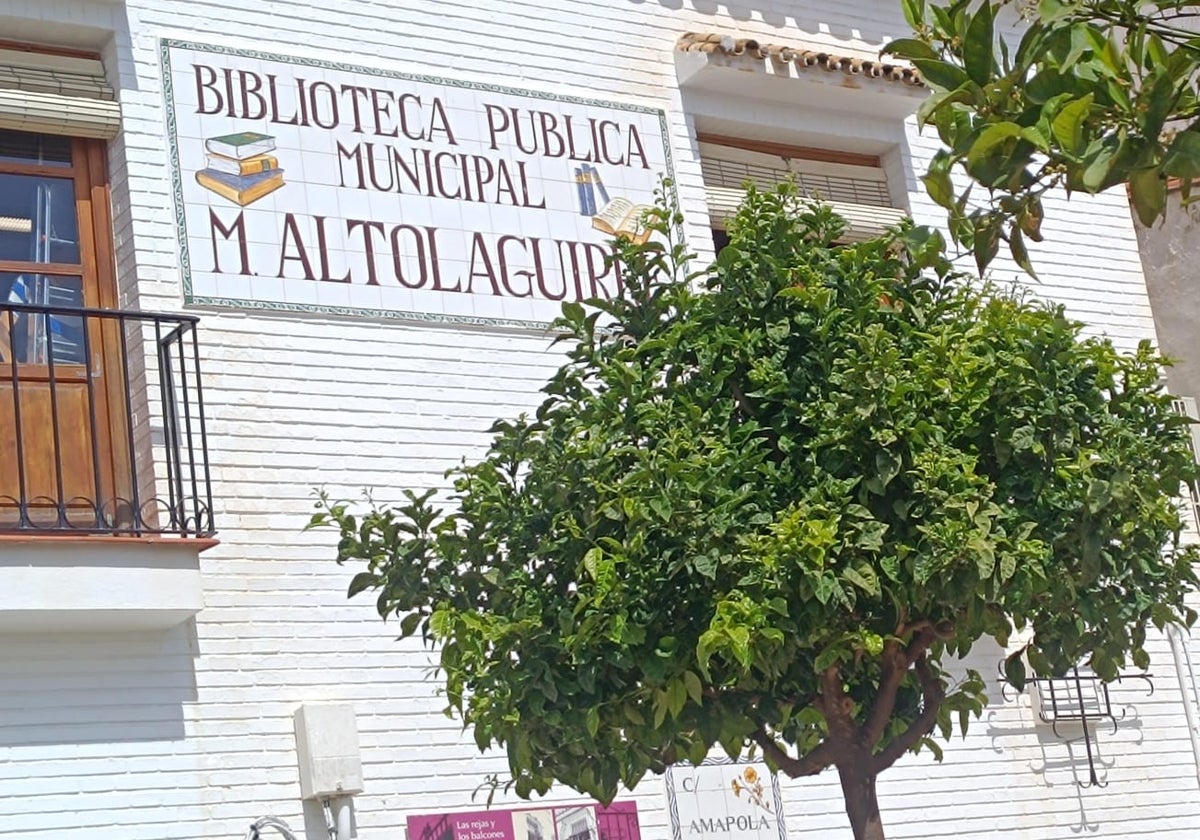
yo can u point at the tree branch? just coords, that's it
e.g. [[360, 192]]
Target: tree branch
[[895, 666], [809, 765], [932, 696], [838, 709]]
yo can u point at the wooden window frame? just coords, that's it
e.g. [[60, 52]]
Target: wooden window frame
[[88, 172]]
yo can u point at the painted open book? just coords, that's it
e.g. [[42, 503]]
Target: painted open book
[[621, 217]]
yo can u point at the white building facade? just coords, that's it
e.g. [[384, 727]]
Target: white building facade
[[317, 245]]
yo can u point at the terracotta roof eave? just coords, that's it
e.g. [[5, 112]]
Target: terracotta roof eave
[[711, 42]]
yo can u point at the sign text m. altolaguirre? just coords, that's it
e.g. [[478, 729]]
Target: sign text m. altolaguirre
[[306, 184]]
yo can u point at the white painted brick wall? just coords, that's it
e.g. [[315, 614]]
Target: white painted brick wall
[[188, 734]]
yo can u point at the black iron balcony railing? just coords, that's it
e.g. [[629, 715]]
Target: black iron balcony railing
[[102, 427]]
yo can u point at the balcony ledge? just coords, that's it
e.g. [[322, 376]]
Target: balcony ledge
[[72, 583]]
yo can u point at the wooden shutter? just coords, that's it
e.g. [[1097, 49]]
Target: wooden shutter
[[57, 94]]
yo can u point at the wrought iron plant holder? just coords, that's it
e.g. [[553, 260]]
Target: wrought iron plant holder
[[1062, 700]]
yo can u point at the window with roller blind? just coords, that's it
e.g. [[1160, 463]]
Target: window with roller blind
[[854, 184], [56, 110], [61, 401]]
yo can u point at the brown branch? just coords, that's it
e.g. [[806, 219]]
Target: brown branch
[[942, 630], [809, 765], [932, 696], [895, 666], [838, 710]]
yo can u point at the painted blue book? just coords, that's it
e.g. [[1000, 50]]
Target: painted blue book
[[594, 175], [587, 198]]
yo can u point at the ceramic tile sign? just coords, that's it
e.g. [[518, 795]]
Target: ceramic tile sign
[[567, 822], [724, 800], [319, 186]]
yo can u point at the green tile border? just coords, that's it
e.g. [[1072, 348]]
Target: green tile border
[[185, 262]]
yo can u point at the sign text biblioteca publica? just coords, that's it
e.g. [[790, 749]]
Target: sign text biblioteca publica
[[415, 142]]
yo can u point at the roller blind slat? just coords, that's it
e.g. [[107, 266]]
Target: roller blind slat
[[48, 94], [864, 220]]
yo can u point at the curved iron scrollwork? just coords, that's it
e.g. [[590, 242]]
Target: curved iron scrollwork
[[116, 516], [1065, 700]]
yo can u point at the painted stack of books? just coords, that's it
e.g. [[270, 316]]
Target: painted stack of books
[[241, 167]]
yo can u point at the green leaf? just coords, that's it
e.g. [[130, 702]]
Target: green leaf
[[1014, 670], [1008, 566], [1020, 255], [573, 312], [409, 624], [829, 656], [991, 138], [1099, 166], [941, 74], [909, 48], [941, 190], [978, 45], [1051, 11], [362, 582], [914, 13], [887, 466], [1034, 135], [677, 697], [591, 562], [924, 568], [1183, 156], [987, 241], [1067, 126], [864, 578], [1148, 192], [661, 706], [1023, 438], [592, 721], [985, 560], [935, 102], [694, 688], [661, 507]]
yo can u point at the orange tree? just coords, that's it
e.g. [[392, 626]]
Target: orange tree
[[1083, 95], [764, 507]]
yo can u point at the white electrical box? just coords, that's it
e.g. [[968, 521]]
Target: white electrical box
[[327, 746]]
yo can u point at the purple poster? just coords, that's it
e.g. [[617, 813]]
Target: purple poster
[[565, 822]]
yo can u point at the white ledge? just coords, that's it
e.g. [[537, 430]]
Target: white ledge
[[748, 76], [62, 584]]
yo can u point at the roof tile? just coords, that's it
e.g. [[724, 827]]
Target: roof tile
[[801, 57]]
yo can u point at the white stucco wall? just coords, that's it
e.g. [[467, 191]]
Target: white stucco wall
[[188, 734]]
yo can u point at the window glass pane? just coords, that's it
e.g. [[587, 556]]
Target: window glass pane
[[41, 149], [31, 337], [37, 219]]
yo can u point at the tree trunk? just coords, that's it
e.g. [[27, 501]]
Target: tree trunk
[[862, 806]]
